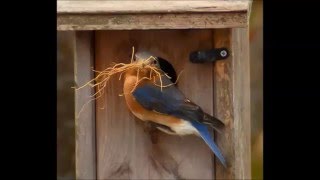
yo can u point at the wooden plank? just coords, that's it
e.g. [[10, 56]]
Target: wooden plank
[[154, 6], [85, 121], [242, 113], [223, 104], [127, 15], [124, 146], [232, 103], [151, 21], [65, 106]]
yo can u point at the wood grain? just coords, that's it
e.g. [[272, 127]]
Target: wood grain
[[124, 146], [232, 103], [127, 15], [153, 6], [223, 103], [85, 122], [242, 111], [151, 21], [65, 106]]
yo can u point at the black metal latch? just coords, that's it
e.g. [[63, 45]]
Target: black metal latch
[[211, 55]]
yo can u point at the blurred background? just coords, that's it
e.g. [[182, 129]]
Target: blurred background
[[65, 98], [256, 58]]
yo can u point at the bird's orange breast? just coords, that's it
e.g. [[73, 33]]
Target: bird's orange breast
[[138, 110]]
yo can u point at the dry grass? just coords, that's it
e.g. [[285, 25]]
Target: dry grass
[[102, 77]]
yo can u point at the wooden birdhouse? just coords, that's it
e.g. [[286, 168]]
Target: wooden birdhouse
[[110, 142]]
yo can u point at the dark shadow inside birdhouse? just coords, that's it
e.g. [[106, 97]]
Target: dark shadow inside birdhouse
[[167, 67]]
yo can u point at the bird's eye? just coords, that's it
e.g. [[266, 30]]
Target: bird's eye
[[154, 61]]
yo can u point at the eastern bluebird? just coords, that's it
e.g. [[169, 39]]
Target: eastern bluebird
[[166, 107]]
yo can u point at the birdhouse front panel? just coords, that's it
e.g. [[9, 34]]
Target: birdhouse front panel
[[112, 142], [126, 147]]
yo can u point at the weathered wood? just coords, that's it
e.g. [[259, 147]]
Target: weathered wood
[[65, 106], [223, 103], [124, 149], [85, 122], [241, 103], [127, 15], [151, 21], [124, 146], [152, 6], [232, 103]]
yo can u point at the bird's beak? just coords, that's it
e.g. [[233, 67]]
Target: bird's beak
[[144, 58]]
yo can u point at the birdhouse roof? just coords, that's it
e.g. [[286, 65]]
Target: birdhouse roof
[[94, 15]]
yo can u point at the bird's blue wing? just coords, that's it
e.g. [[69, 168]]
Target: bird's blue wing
[[167, 101], [205, 135], [172, 102]]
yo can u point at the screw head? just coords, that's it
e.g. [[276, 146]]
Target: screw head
[[223, 53]]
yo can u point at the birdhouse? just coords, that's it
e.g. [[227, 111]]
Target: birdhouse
[[110, 142]]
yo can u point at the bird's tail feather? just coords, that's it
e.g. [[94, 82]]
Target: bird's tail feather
[[213, 122], [206, 136]]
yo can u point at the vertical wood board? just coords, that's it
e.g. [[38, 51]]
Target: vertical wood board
[[85, 121], [124, 147]]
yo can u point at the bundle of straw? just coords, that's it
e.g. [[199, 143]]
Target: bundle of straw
[[102, 77]]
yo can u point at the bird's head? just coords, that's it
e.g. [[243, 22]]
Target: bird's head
[[146, 58], [144, 62], [162, 65]]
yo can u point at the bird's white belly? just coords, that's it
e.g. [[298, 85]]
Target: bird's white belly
[[184, 128]]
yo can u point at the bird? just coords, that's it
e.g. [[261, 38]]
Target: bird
[[166, 107]]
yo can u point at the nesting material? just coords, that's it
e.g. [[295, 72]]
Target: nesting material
[[102, 77]]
